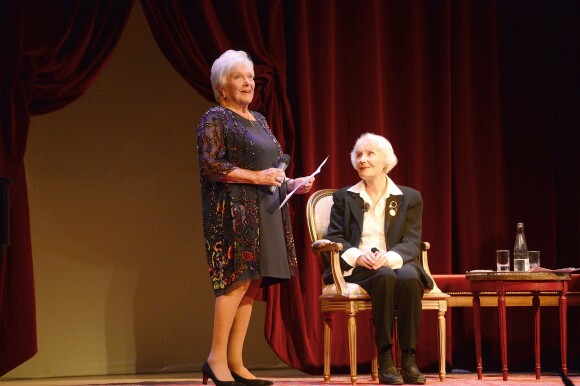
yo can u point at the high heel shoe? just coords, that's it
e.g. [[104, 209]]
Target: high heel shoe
[[251, 382], [208, 373]]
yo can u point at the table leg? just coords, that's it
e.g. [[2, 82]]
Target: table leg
[[536, 307], [501, 305], [477, 333], [563, 303]]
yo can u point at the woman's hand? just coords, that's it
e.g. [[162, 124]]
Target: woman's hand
[[366, 260], [272, 176], [373, 260], [381, 260], [293, 183]]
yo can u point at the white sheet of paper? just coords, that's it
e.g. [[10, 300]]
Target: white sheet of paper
[[310, 177]]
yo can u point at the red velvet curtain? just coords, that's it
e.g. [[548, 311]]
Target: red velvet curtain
[[51, 54], [431, 76], [478, 98], [538, 182], [412, 71], [192, 34], [373, 66], [428, 75]]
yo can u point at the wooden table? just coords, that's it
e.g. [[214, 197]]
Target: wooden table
[[531, 282]]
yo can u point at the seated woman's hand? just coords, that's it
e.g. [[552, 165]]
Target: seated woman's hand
[[380, 260], [366, 260], [373, 260]]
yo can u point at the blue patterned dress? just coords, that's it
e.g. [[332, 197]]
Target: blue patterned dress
[[245, 238]]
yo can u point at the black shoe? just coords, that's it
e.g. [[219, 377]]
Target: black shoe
[[409, 370], [388, 373], [208, 373], [251, 382]]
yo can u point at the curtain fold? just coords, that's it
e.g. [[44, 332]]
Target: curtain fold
[[54, 52], [81, 41], [192, 34]]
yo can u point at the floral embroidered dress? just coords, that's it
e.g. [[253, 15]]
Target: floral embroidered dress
[[245, 236]]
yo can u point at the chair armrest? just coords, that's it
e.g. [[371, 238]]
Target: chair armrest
[[425, 246], [324, 245]]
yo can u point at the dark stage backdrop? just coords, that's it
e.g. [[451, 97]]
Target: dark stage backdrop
[[480, 100]]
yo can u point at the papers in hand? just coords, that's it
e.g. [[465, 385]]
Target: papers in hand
[[306, 180]]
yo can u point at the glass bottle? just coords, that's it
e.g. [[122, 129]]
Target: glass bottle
[[521, 260]]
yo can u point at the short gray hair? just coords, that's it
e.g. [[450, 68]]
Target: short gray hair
[[384, 147], [222, 67]]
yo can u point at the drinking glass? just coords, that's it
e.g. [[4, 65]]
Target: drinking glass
[[534, 259], [503, 260]]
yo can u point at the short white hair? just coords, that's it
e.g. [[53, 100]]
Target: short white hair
[[382, 145], [222, 67]]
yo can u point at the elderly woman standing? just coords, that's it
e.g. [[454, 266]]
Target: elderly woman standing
[[248, 241], [379, 225]]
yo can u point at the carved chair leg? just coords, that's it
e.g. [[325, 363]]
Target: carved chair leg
[[442, 342], [352, 346], [375, 360], [327, 346]]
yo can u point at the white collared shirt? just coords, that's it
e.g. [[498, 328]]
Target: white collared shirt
[[373, 232]]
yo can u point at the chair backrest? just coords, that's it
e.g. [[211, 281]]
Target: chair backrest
[[318, 213]]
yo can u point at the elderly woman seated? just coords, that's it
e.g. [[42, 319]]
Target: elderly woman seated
[[379, 225]]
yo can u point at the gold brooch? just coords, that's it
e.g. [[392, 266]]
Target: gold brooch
[[393, 208]]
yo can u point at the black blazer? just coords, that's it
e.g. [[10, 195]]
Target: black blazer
[[403, 231]]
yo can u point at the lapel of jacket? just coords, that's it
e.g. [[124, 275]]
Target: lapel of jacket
[[393, 206], [356, 204]]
